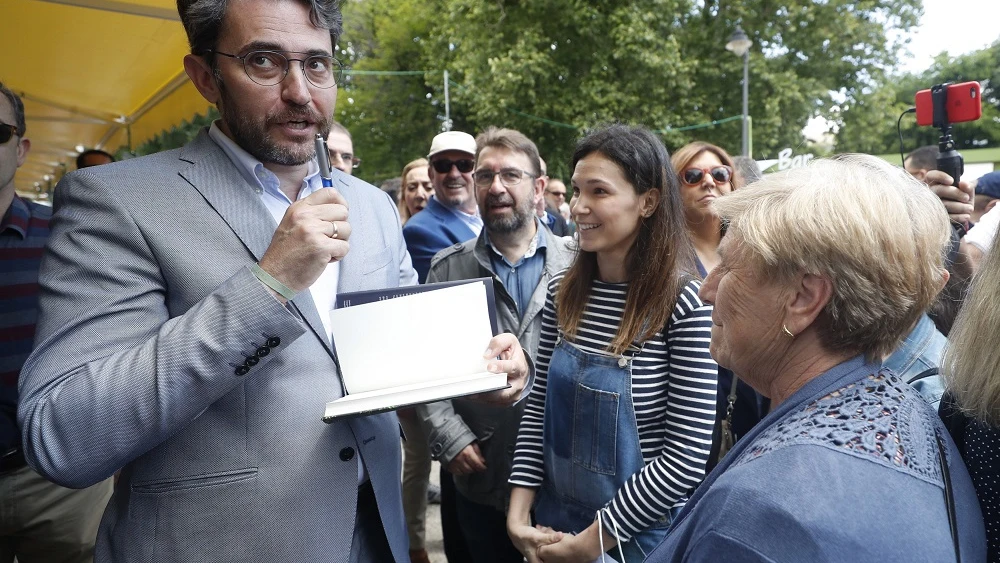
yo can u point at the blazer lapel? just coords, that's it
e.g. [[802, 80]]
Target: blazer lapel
[[216, 178], [207, 168]]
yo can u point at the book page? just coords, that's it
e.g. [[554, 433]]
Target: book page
[[412, 339]]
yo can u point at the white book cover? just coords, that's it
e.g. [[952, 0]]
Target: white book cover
[[387, 360]]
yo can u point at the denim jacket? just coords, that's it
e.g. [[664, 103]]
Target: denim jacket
[[922, 350], [846, 469]]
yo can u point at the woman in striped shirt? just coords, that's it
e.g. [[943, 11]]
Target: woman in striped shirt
[[618, 425]]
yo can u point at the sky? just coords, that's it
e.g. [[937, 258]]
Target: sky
[[955, 26]]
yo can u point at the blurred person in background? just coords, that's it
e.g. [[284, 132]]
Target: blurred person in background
[[550, 216], [415, 189], [555, 193], [921, 161], [747, 171], [451, 215], [93, 157], [40, 521], [706, 174], [341, 147], [987, 188]]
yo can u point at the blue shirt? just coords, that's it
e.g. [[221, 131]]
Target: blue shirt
[[522, 277], [24, 229], [474, 221]]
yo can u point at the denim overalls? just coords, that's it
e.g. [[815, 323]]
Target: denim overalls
[[591, 444]]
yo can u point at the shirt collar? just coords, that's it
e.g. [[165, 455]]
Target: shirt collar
[[253, 170], [16, 218], [537, 242]]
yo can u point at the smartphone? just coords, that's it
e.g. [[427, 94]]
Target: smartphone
[[964, 104]]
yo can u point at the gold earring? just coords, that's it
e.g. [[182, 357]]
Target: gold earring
[[786, 331]]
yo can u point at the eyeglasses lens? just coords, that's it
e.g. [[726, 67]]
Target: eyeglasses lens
[[443, 166], [268, 68], [6, 132]]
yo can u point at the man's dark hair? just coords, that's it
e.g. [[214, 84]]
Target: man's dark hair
[[511, 140], [203, 19], [15, 102], [924, 157], [81, 160]]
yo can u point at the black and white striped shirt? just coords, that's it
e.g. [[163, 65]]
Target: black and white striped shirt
[[673, 392]]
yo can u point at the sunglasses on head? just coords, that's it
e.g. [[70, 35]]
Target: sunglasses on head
[[693, 176], [443, 166], [6, 132]]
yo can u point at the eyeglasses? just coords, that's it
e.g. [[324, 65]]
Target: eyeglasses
[[555, 193], [443, 166], [693, 176], [268, 68], [346, 157], [509, 177], [7, 131]]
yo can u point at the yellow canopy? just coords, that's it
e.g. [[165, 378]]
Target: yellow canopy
[[92, 74]]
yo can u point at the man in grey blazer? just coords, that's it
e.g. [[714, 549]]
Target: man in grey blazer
[[182, 335]]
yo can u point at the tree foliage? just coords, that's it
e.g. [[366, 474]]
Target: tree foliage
[[870, 124], [552, 68]]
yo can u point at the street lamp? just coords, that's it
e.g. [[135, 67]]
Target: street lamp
[[740, 44]]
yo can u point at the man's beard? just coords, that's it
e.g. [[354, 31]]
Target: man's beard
[[252, 136], [520, 217]]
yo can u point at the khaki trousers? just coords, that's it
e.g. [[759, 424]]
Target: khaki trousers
[[416, 476], [41, 522]]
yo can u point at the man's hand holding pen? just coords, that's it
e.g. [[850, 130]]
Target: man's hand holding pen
[[312, 234]]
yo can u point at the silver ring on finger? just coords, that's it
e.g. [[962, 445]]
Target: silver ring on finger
[[336, 230]]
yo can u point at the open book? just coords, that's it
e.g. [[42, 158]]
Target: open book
[[411, 345]]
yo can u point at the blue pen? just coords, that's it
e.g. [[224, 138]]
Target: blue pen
[[323, 158]]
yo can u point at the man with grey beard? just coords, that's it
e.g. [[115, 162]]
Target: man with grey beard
[[473, 442]]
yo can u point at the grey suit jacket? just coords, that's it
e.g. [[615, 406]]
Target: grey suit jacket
[[147, 307]]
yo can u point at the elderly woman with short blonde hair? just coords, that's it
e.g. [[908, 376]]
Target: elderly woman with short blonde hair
[[823, 271]]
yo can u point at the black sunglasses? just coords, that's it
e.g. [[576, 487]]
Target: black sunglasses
[[694, 176], [6, 132], [443, 166]]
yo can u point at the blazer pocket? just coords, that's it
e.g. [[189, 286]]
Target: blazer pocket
[[195, 482], [377, 260]]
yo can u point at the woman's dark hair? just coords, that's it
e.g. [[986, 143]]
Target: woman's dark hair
[[203, 19], [661, 252]]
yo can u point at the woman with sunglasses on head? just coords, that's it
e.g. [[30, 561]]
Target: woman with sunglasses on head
[[706, 173], [618, 424]]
